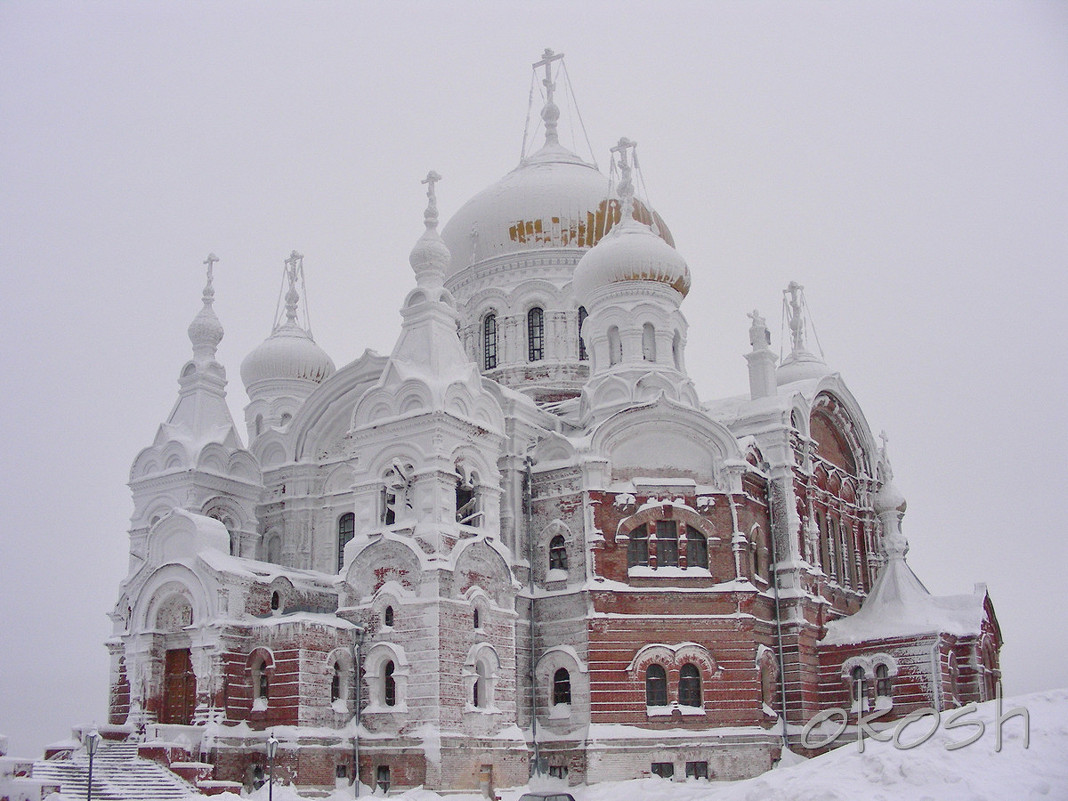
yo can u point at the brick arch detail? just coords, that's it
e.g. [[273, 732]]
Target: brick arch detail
[[680, 514]]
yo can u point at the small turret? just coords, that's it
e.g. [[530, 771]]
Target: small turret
[[761, 359]]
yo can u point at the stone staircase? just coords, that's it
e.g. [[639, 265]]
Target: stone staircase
[[119, 774]]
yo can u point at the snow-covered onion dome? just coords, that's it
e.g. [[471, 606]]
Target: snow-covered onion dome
[[290, 352], [630, 251]]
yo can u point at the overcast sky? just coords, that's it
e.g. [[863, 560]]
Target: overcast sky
[[906, 162]]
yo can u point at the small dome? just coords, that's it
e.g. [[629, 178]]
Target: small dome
[[288, 353], [800, 366], [630, 252], [553, 199], [205, 331]]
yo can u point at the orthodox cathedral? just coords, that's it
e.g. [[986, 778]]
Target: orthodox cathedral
[[521, 542]]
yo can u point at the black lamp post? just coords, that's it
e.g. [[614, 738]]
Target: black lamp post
[[272, 749], [92, 742]]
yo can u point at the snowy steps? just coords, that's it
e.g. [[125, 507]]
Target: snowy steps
[[119, 774]]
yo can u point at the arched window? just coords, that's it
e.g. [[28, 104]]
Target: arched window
[[696, 548], [562, 687], [583, 355], [535, 334], [261, 684], [335, 684], [389, 684], [825, 553], [655, 686], [489, 341], [667, 543], [476, 618], [259, 424], [274, 550], [676, 350], [480, 690], [387, 617], [690, 685], [615, 346], [558, 553], [467, 511], [276, 601], [648, 343], [850, 574], [883, 685], [856, 678], [346, 527], [638, 549]]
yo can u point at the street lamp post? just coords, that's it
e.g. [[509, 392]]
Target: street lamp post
[[272, 749], [92, 742]]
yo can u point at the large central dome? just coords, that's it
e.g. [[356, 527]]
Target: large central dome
[[553, 199]]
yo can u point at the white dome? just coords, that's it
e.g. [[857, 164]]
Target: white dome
[[551, 200], [630, 252], [288, 353], [800, 366]]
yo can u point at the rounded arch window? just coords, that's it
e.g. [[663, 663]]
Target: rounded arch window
[[648, 343], [696, 548], [562, 686], [389, 684], [387, 617], [346, 529], [335, 683], [656, 686], [582, 315], [558, 553], [615, 346], [883, 687], [489, 341], [856, 680], [476, 618], [535, 334], [276, 601], [689, 685]]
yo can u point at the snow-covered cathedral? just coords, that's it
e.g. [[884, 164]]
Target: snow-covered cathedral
[[521, 541]]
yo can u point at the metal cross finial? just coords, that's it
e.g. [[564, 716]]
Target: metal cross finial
[[430, 216], [626, 185], [294, 265], [794, 314], [550, 114], [547, 58], [209, 290]]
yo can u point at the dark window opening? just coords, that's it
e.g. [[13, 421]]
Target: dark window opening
[[387, 616], [264, 683], [535, 334], [382, 778], [335, 684], [276, 601], [583, 355], [477, 619], [665, 770], [667, 543], [341, 771], [389, 685], [638, 548], [489, 342], [696, 770], [696, 548], [346, 527], [558, 772], [558, 553], [883, 686], [857, 679], [690, 685], [466, 504], [656, 686], [562, 687]]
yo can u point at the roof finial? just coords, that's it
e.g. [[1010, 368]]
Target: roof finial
[[294, 270], [551, 113], [430, 216], [209, 290], [206, 332], [794, 315], [626, 184]]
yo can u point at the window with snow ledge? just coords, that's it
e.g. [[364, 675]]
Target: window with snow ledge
[[658, 549]]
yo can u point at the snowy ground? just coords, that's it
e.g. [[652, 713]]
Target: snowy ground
[[928, 772]]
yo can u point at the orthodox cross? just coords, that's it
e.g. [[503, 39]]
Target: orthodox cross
[[294, 265], [547, 58], [626, 185], [431, 214], [794, 316], [210, 261]]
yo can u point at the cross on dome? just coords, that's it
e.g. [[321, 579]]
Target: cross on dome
[[551, 113], [209, 290], [430, 216], [626, 183], [294, 270]]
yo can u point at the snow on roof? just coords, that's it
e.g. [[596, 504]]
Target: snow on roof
[[899, 605]]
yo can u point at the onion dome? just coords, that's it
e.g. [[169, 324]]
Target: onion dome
[[888, 499], [630, 251], [290, 352]]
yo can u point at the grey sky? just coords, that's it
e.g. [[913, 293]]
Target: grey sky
[[905, 161]]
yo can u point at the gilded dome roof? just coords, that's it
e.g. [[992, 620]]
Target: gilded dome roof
[[553, 199]]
